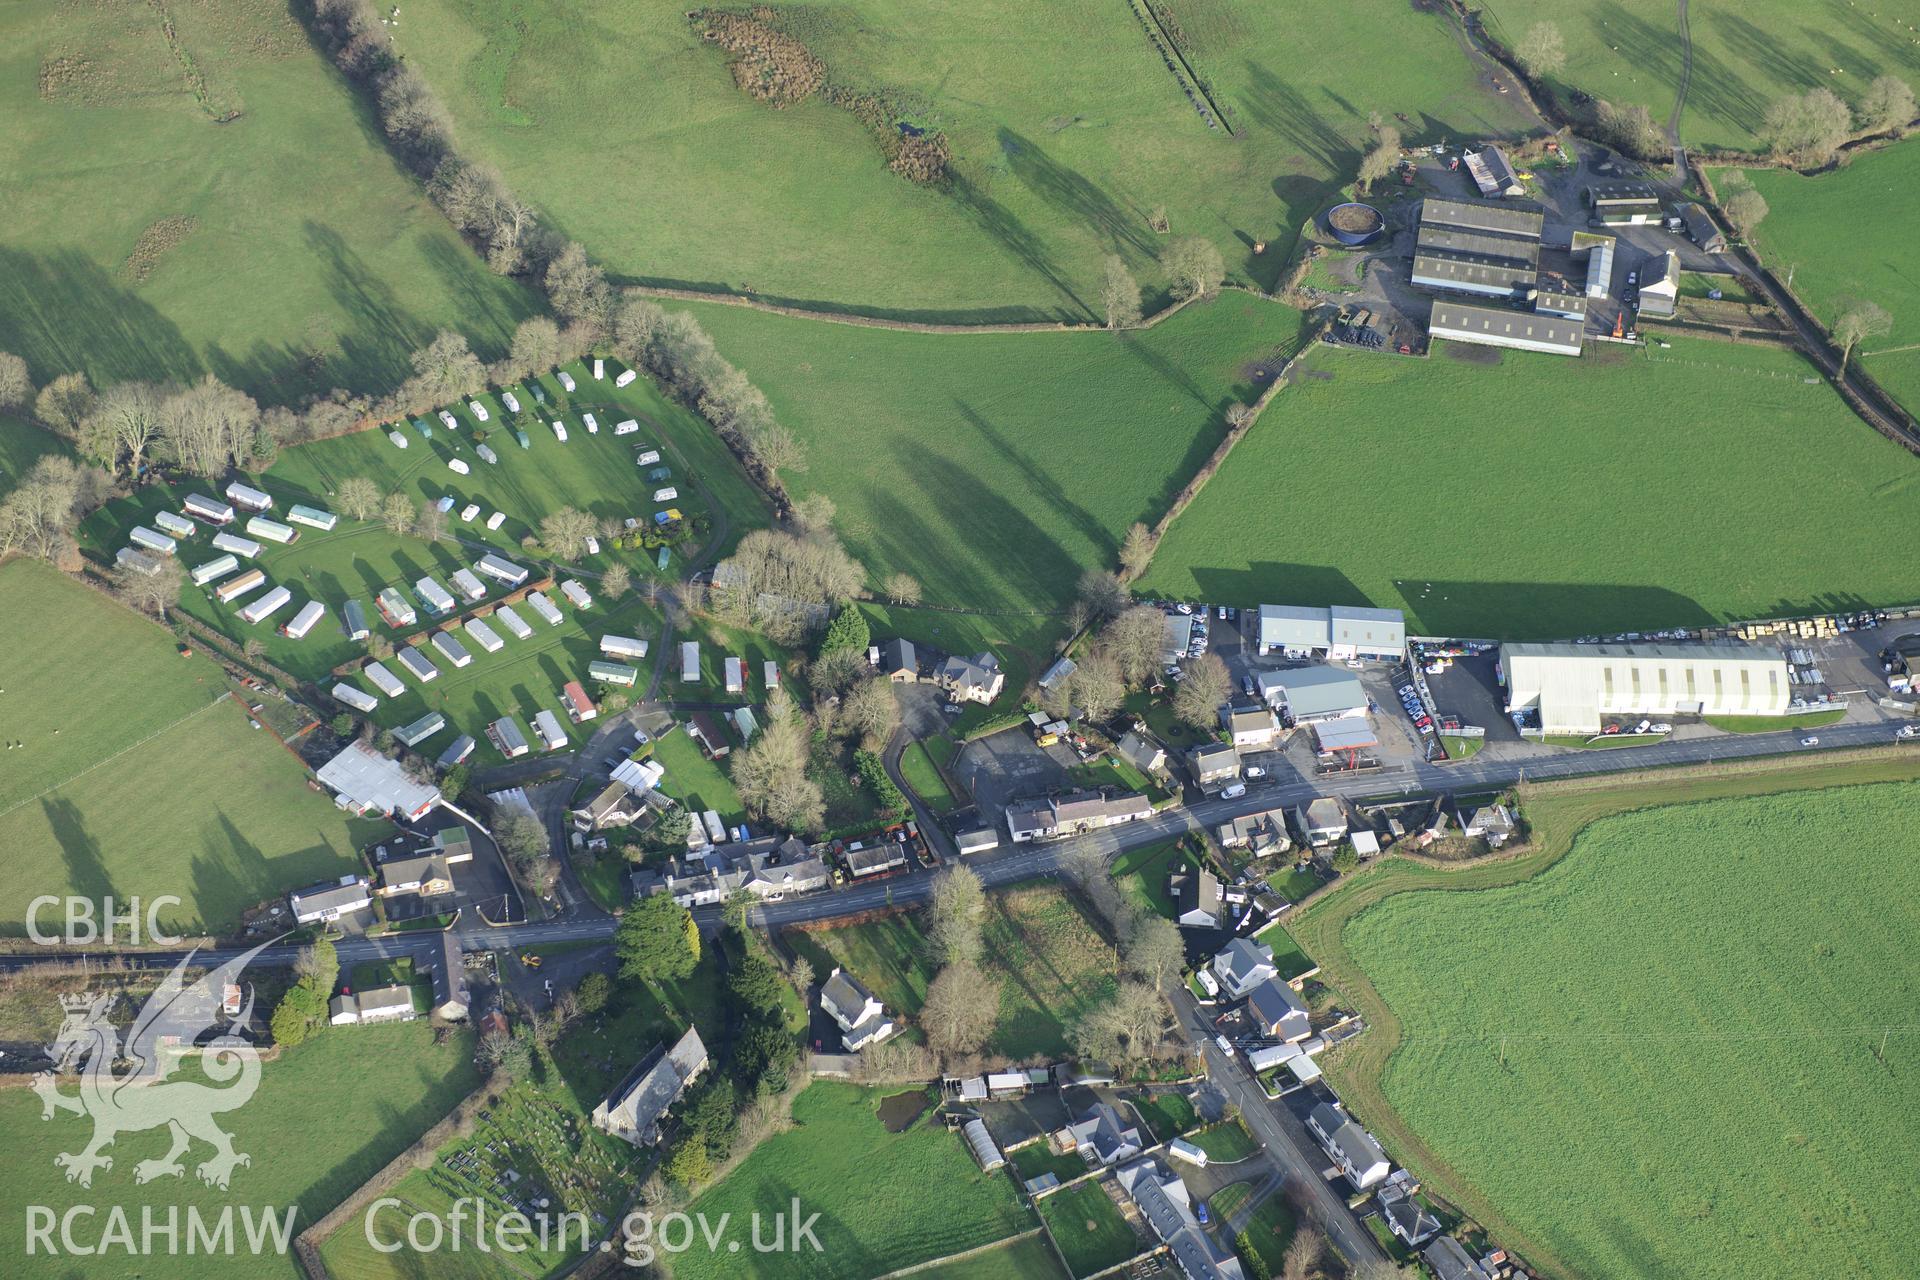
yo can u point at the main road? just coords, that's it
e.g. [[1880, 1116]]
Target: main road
[[1026, 862]]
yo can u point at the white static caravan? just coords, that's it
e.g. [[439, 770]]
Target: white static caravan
[[211, 510], [247, 496], [690, 661], [418, 664], [626, 426], [770, 672], [572, 590], [235, 543], [497, 519], [487, 455], [353, 616], [177, 525], [501, 569], [667, 494], [451, 649], [565, 379], [233, 588], [469, 511], [506, 736], [436, 597], [359, 699], [468, 586], [311, 612], [452, 423], [593, 424], [477, 409], [398, 437], [273, 531], [736, 675], [484, 636], [266, 606], [716, 829], [383, 680], [547, 725], [625, 379], [560, 431], [151, 540], [457, 753], [140, 560], [422, 729], [544, 607], [510, 400], [599, 369], [646, 457], [623, 647], [512, 621], [395, 608], [612, 672], [313, 518], [218, 567], [458, 466]]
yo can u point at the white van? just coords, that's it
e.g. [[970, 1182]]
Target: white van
[[1233, 792]]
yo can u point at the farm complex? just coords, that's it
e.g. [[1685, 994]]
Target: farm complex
[[1168, 639]]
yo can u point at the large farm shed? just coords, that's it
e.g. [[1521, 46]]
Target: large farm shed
[[1499, 327], [1575, 687]]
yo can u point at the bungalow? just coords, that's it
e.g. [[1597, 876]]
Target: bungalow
[[1277, 1011], [424, 873], [1322, 822], [364, 781], [1197, 897], [1259, 834], [702, 729], [1214, 765], [1250, 727], [874, 859], [773, 881], [898, 662], [1143, 753], [329, 900], [379, 1004], [1242, 965], [976, 679], [1450, 1261], [617, 805], [1103, 1136], [639, 1103], [1030, 820], [449, 968], [1492, 823], [862, 1019]]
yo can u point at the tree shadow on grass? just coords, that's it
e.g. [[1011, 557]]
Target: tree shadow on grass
[[87, 875], [1083, 202], [61, 313]]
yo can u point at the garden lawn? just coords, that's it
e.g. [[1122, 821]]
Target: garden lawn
[[1267, 1233], [1225, 1142], [995, 468], [1066, 129], [1287, 955], [1039, 1158], [694, 780], [1875, 260], [598, 1051], [1168, 1115], [1052, 965], [1142, 875], [1765, 1019], [1590, 513], [1743, 56], [927, 783], [1294, 883], [148, 235], [137, 776], [1774, 724], [407, 1078], [870, 1187], [1087, 1226]]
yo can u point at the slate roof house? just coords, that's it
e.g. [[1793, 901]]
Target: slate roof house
[[1197, 897], [639, 1103], [898, 662], [863, 1020], [1278, 1012], [1104, 1136], [1242, 965], [975, 679], [1258, 833]]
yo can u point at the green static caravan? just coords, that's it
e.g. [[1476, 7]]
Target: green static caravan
[[612, 673]]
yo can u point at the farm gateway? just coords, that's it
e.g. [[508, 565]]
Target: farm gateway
[[85, 1231]]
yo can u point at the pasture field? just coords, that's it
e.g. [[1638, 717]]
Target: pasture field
[[1745, 55], [192, 189], [1876, 260], [409, 1082], [1609, 493], [135, 775], [886, 1200], [1088, 1227], [1693, 1076], [1052, 965], [996, 467], [1066, 130], [1027, 1258]]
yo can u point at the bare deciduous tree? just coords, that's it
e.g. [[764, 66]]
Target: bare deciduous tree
[[1305, 1252], [1807, 127], [1542, 49], [536, 348], [956, 917], [1136, 550], [1134, 640], [1887, 106], [1745, 209], [1197, 701], [1380, 158], [1193, 266], [1858, 321], [358, 498], [902, 588], [564, 533], [16, 388], [814, 514], [1154, 948], [153, 593], [1630, 129], [397, 513], [770, 773], [870, 711], [1127, 1029], [578, 289], [125, 423], [429, 522], [616, 581], [1119, 294], [1086, 866], [209, 425], [64, 404], [960, 1010], [445, 369], [1097, 687], [1104, 595]]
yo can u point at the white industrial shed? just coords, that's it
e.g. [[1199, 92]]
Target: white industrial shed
[[1342, 631], [1502, 327], [1576, 686]]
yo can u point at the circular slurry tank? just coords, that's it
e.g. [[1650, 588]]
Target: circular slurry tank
[[1355, 223]]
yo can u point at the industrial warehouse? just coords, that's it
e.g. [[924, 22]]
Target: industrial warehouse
[[1573, 688]]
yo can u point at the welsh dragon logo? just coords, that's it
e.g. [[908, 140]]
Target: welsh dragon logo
[[143, 1095]]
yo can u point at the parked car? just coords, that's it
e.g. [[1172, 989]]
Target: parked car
[[1184, 607], [1809, 742], [1255, 771], [1221, 613]]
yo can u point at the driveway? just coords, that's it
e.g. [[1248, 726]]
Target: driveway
[[1009, 765]]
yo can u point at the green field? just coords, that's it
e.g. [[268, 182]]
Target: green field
[[1050, 961], [405, 1082], [1873, 261], [1028, 1258], [1066, 131], [1087, 1226], [1744, 56], [994, 468], [926, 780], [149, 236], [1768, 496], [136, 776], [698, 782], [21, 446], [886, 1200], [1718, 1094]]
